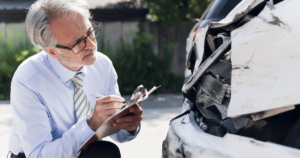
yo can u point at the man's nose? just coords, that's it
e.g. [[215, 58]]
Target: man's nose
[[90, 44]]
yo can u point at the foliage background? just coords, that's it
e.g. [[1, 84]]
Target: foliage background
[[136, 64], [14, 49], [169, 12]]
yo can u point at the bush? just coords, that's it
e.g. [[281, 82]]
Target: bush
[[136, 64], [14, 49]]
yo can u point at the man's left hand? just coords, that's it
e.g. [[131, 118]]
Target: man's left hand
[[130, 122]]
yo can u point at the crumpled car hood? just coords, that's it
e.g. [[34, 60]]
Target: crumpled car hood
[[264, 57], [265, 60]]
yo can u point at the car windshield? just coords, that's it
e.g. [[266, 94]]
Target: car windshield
[[221, 8]]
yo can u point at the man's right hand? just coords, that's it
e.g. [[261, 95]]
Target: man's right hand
[[104, 108]]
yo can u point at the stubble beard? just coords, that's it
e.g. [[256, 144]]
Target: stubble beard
[[83, 61]]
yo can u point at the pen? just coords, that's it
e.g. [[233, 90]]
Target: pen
[[97, 96], [100, 96]]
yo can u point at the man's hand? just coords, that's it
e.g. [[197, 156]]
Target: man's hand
[[104, 108], [130, 122]]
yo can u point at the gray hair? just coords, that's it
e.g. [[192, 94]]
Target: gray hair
[[42, 12]]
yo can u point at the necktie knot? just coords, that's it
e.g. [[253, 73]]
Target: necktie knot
[[78, 79]]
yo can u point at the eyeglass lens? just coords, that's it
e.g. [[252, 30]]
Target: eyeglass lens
[[93, 35]]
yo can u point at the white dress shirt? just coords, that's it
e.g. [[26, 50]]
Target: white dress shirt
[[44, 119]]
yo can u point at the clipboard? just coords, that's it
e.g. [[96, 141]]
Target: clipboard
[[139, 95]]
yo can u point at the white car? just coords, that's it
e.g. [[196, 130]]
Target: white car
[[241, 97]]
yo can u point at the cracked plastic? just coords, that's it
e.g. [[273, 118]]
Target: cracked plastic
[[214, 90]]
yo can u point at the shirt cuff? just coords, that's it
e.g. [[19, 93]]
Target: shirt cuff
[[133, 133], [82, 131]]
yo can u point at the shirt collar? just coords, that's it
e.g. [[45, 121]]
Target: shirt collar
[[64, 73]]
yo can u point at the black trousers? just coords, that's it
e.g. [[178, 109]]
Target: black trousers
[[101, 149], [98, 149]]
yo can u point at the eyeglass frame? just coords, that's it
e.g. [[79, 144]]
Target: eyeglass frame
[[84, 39]]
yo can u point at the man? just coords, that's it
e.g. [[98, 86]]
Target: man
[[54, 112]]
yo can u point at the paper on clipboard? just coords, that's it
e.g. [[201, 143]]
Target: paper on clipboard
[[140, 94]]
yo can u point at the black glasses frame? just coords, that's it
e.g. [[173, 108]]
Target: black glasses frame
[[84, 39]]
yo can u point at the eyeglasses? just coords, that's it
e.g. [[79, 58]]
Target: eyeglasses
[[80, 45]]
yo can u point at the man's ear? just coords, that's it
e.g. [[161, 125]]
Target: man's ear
[[52, 52]]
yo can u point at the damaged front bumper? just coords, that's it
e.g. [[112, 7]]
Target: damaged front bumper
[[185, 139]]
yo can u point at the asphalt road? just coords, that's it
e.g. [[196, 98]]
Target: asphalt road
[[158, 111]]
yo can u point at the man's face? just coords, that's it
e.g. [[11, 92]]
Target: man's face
[[69, 31]]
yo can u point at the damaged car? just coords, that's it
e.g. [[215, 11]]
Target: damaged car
[[241, 99]]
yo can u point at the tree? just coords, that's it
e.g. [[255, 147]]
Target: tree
[[173, 11]]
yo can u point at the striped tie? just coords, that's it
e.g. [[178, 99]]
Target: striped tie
[[82, 105]]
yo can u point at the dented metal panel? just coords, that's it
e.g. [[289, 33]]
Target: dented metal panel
[[199, 43], [200, 70], [197, 144], [213, 88], [223, 69], [211, 93], [265, 61]]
